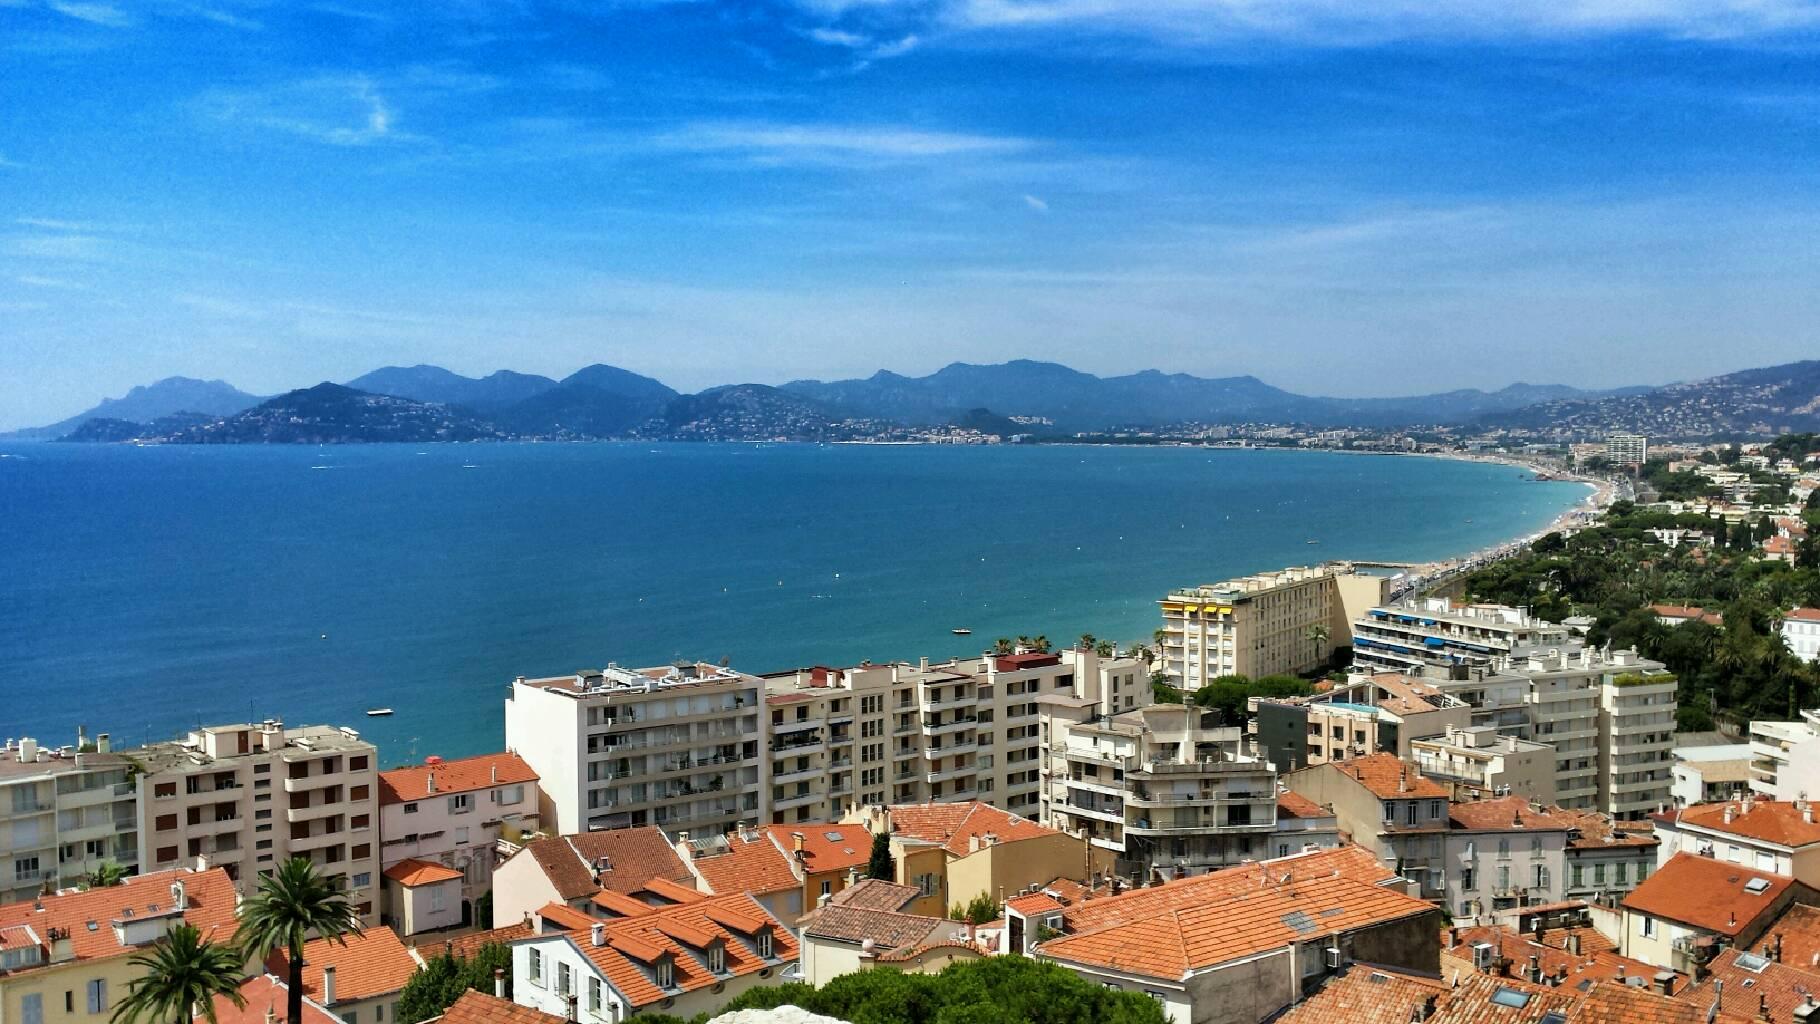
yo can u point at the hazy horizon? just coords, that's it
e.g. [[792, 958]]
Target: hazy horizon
[[1339, 200]]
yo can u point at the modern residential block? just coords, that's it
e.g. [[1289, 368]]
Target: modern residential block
[[1273, 623], [63, 813]]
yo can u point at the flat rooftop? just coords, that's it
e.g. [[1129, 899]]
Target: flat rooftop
[[617, 679]]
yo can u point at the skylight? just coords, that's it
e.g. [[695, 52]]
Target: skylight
[[1757, 886], [1510, 997], [1752, 962]]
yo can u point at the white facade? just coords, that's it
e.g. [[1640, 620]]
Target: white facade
[[675, 746], [1711, 773], [453, 814], [1801, 631], [1627, 449], [62, 815], [1785, 757]]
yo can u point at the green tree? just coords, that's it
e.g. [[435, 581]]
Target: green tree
[[978, 910], [178, 977], [445, 977], [292, 904], [106, 875], [880, 864]]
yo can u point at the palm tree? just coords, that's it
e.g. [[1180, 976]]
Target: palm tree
[[1105, 649], [293, 903], [1002, 645], [106, 875], [1319, 635], [1086, 642], [178, 977], [1040, 645]]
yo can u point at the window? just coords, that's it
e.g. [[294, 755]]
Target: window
[[1579, 875], [666, 973], [1621, 869], [536, 968], [410, 808], [764, 944], [1468, 879], [25, 869], [827, 887], [1649, 927], [348, 1017], [357, 763], [563, 980], [593, 994], [461, 836], [439, 902], [1410, 817], [509, 795], [1434, 808], [1598, 874], [31, 1009], [1535, 846], [165, 822], [1541, 876], [1504, 877], [1503, 848], [97, 996], [363, 879], [461, 803], [717, 958], [1390, 811]]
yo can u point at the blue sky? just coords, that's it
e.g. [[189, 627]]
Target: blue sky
[[1341, 198]]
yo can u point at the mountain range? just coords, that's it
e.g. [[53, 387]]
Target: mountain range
[[1047, 398]]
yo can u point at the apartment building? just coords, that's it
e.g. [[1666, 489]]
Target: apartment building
[[1704, 775], [1801, 631], [1163, 788], [1273, 623], [1365, 715], [212, 800], [449, 815], [1609, 715], [1777, 836], [898, 733], [1785, 757], [63, 813], [676, 746], [1477, 760], [1626, 449]]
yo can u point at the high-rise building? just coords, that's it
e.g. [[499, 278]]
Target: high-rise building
[[213, 799], [63, 813], [1273, 623], [1164, 787], [1626, 449], [677, 746]]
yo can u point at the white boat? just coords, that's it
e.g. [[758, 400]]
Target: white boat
[[378, 712], [961, 632]]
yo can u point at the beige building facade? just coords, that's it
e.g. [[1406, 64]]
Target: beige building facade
[[63, 813], [1276, 623]]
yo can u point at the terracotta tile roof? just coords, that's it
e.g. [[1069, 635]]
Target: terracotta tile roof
[[1389, 778], [1470, 1002], [485, 1008], [1804, 614], [1595, 831], [1363, 994], [1503, 814], [1678, 611], [618, 904], [752, 863], [564, 917], [1349, 861], [1770, 821], [1740, 991], [373, 963], [889, 929], [1295, 805], [1034, 904], [266, 994], [1594, 962], [1169, 944], [950, 826], [1706, 893], [633, 856], [1405, 695], [1614, 1003], [403, 785], [826, 847], [675, 892], [413, 873], [1799, 930], [463, 947], [1071, 892], [88, 916], [631, 944], [877, 894]]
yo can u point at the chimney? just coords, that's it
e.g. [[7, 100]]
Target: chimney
[[796, 843], [1535, 969], [328, 985], [1776, 949], [493, 774], [1807, 1010], [1665, 982], [499, 983], [1573, 943], [1763, 1006], [598, 934], [823, 900], [853, 876], [569, 1011], [1807, 809], [430, 781]]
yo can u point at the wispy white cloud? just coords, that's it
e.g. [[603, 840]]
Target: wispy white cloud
[[67, 246], [337, 111], [837, 37], [1036, 203], [41, 281], [822, 141], [92, 11], [8, 164]]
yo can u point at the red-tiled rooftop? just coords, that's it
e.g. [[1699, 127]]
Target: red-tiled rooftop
[[1509, 812], [1707, 894], [825, 847], [266, 995], [372, 963], [751, 863], [484, 1008], [466, 775], [1771, 821], [413, 873], [1390, 778], [631, 943], [1295, 805], [631, 857], [952, 825], [88, 916]]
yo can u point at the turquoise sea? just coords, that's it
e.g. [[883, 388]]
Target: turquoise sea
[[145, 589]]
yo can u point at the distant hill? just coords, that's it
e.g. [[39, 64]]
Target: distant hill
[[426, 383], [744, 412], [988, 422], [1082, 401], [595, 401], [334, 414], [1768, 400], [149, 402], [107, 429]]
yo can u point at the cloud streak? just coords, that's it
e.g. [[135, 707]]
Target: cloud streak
[[830, 141]]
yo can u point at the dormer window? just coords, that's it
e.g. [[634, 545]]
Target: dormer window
[[666, 973], [764, 944], [717, 957]]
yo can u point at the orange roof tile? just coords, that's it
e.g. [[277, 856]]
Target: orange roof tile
[[1503, 813], [1389, 778], [1365, 994], [826, 847], [1740, 991], [1770, 821], [752, 863], [373, 963], [1033, 904], [648, 936], [619, 904], [1596, 962], [1295, 805], [564, 917], [463, 947], [403, 785], [1470, 1002], [1610, 1002], [413, 873], [1706, 893], [619, 859], [88, 916], [1804, 614], [1798, 929], [484, 1008], [266, 994], [951, 826], [877, 894], [675, 892]]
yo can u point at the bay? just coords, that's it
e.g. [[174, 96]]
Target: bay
[[145, 590]]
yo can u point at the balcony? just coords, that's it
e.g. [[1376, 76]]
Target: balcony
[[959, 747], [932, 727], [966, 700], [795, 800], [945, 774], [796, 774], [785, 728], [307, 783], [1107, 813], [800, 743], [319, 841]]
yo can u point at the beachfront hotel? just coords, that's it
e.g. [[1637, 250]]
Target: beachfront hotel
[[676, 746], [1275, 623], [1609, 715]]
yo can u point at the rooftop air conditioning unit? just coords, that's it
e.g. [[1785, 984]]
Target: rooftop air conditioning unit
[[1481, 956], [1333, 958]]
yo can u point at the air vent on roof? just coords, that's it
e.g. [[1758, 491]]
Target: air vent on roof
[[1752, 962], [1510, 997], [1757, 886]]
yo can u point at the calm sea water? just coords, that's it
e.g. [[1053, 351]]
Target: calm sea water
[[145, 589]]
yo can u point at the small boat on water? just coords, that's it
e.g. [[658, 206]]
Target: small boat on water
[[378, 712], [961, 632]]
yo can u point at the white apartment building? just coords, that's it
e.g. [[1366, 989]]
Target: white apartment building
[[1479, 760], [1626, 449], [1610, 716], [1801, 631], [1785, 757], [1274, 623], [213, 800], [1711, 774], [450, 814], [896, 733], [1163, 787], [63, 813], [676, 746]]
